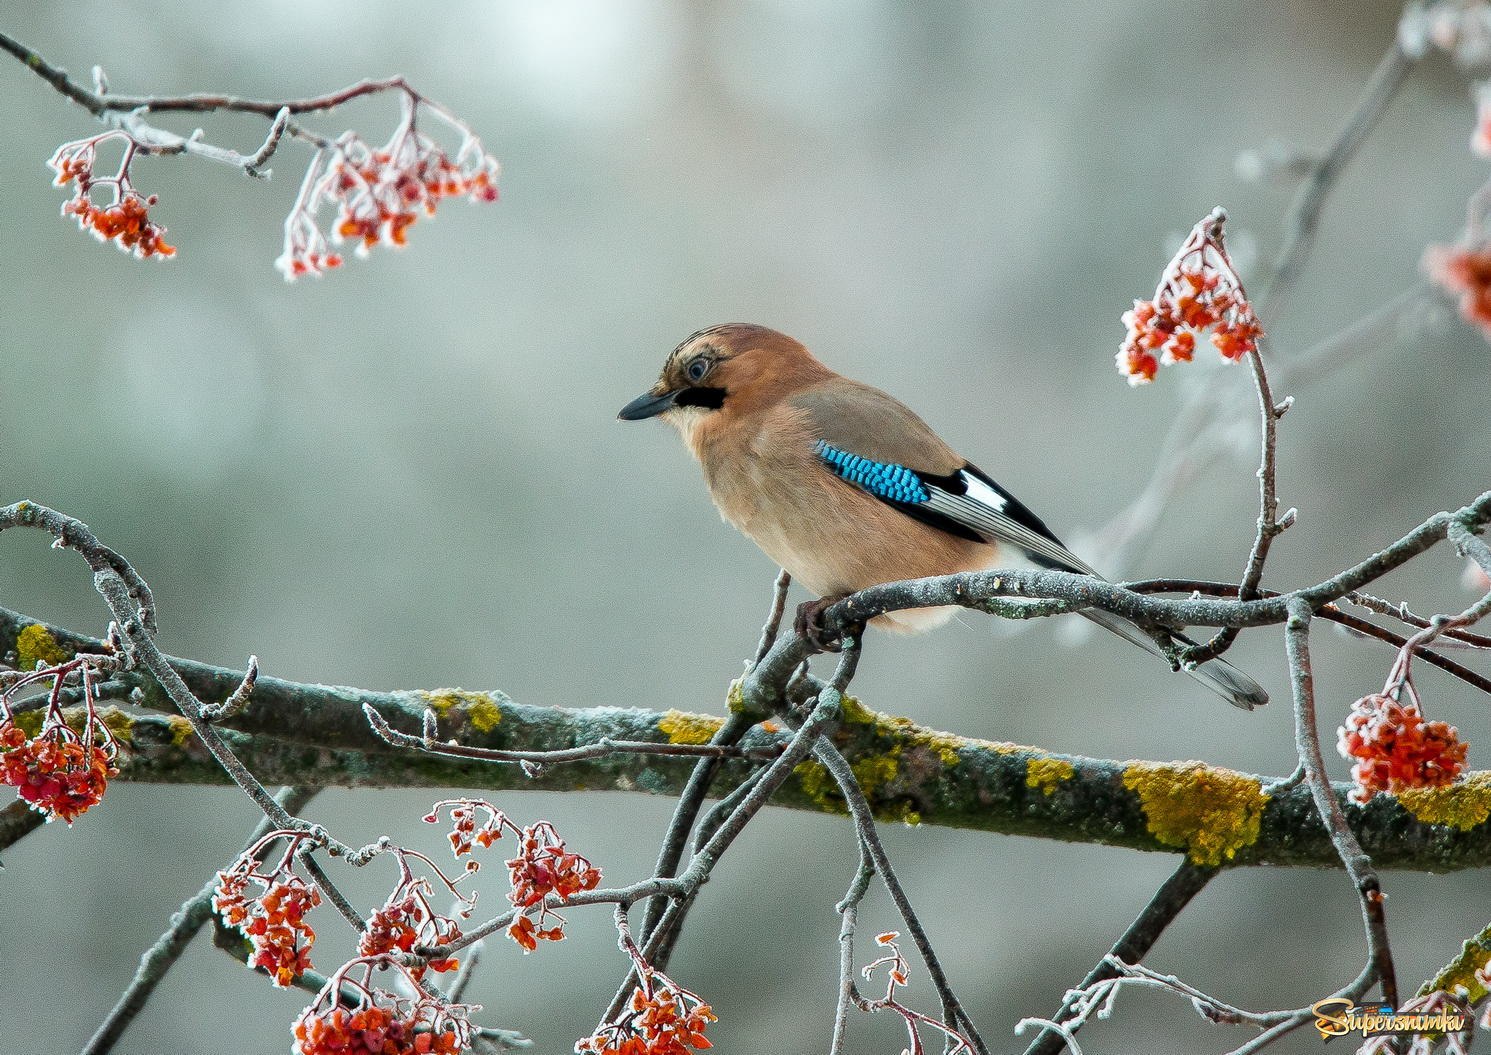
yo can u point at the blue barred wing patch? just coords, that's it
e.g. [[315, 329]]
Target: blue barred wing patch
[[886, 480]]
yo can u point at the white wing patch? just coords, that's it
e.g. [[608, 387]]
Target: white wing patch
[[982, 492], [982, 508]]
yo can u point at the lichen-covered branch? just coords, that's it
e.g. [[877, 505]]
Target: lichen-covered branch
[[316, 735]]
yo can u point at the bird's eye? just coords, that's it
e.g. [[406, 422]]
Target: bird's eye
[[697, 369]]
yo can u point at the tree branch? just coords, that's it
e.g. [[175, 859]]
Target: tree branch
[[1328, 804], [928, 777], [1168, 902]]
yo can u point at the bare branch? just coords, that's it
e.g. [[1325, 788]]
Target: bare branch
[[1169, 901], [239, 699], [953, 1014], [599, 749], [1358, 864]]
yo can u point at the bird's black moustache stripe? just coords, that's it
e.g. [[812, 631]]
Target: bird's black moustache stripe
[[709, 398]]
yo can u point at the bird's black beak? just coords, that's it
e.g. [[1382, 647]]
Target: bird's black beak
[[647, 405]]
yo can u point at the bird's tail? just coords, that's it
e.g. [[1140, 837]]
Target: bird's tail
[[1217, 675]]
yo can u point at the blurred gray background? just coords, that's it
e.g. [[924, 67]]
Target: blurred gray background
[[408, 474]]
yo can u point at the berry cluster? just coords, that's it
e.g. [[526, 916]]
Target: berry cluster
[[404, 921], [380, 1023], [1464, 270], [1395, 749], [898, 975], [65, 768], [125, 220], [1199, 290], [544, 868], [407, 920], [273, 918], [465, 831], [378, 192], [662, 1018], [57, 772]]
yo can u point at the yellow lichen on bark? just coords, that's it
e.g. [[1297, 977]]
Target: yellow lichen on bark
[[1047, 773], [681, 727], [1463, 805], [1209, 812], [35, 642], [478, 708]]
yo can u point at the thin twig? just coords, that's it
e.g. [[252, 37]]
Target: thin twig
[[1400, 611], [600, 749], [774, 616], [824, 718], [848, 910], [690, 802], [458, 984], [238, 699], [711, 821], [1270, 524], [1307, 741], [1304, 214], [1332, 614], [1169, 901], [954, 1015]]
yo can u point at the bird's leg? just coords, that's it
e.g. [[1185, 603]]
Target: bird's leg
[[809, 623]]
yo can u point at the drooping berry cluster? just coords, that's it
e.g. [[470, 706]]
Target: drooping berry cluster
[[379, 1022], [662, 1018], [378, 192], [1199, 290], [124, 220], [57, 772], [272, 917], [1395, 749], [64, 769], [544, 869], [465, 831], [407, 920]]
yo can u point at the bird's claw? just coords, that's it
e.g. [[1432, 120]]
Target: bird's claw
[[809, 624]]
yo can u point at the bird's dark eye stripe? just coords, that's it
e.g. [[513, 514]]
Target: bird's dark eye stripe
[[709, 398]]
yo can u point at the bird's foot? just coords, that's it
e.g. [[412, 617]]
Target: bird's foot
[[809, 624]]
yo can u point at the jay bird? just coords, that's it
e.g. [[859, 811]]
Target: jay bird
[[845, 487]]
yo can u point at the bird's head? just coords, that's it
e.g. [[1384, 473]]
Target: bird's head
[[729, 368]]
